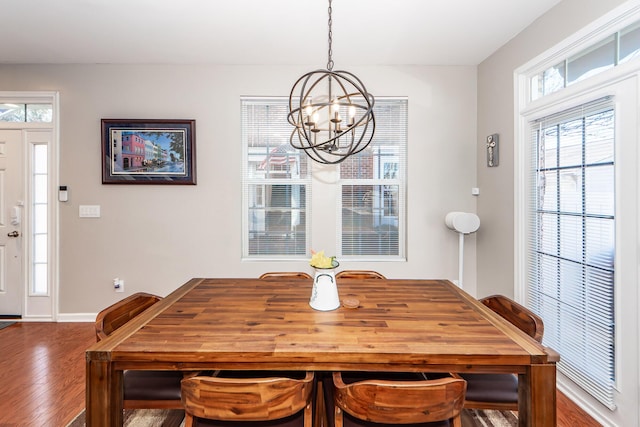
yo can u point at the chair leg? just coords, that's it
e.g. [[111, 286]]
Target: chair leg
[[457, 421], [337, 417], [188, 420], [308, 415], [320, 416]]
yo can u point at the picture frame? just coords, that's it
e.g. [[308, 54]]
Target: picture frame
[[140, 151]]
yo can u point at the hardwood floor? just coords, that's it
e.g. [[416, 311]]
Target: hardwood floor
[[42, 366], [43, 373]]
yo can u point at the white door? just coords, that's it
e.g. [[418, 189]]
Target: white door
[[11, 216]]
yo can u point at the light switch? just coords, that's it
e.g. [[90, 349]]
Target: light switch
[[89, 211]]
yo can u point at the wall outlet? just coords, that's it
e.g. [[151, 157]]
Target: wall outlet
[[118, 285]]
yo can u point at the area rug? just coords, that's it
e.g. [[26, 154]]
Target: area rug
[[174, 418], [488, 418], [5, 324], [143, 418]]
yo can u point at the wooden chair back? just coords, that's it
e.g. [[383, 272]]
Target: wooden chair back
[[247, 399], [359, 274], [285, 275], [142, 389], [500, 391], [399, 402], [516, 314], [118, 314]]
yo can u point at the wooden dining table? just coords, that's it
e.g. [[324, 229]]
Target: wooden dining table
[[398, 325]]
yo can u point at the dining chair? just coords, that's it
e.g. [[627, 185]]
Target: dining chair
[[385, 399], [500, 391], [141, 389], [359, 274], [285, 275], [233, 398]]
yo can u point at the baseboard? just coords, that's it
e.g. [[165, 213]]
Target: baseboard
[[77, 317]]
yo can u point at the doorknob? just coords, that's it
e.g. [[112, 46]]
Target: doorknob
[[13, 234]]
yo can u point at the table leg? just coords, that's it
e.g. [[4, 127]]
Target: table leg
[[103, 395], [537, 396]]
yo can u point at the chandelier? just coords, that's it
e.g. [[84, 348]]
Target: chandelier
[[332, 113]]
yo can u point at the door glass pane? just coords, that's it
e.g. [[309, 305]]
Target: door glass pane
[[548, 234], [40, 221], [548, 189], [570, 144], [570, 189], [599, 190], [40, 279], [549, 147], [40, 158], [599, 138]]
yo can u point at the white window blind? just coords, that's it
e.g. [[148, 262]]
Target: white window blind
[[275, 180], [372, 200], [571, 234]]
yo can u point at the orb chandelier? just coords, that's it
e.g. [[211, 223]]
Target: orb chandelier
[[332, 113]]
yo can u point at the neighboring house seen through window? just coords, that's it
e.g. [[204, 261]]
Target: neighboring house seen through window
[[277, 181]]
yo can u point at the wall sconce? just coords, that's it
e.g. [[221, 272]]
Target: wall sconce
[[492, 150]]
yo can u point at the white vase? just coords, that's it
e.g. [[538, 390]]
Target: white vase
[[324, 295]]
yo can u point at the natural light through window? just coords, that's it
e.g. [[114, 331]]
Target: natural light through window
[[369, 207], [26, 113], [570, 282], [40, 251], [616, 49]]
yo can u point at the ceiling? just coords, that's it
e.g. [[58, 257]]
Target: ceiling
[[271, 32]]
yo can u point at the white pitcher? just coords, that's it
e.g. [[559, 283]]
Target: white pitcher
[[324, 295]]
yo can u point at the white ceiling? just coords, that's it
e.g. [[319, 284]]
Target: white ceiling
[[365, 32]]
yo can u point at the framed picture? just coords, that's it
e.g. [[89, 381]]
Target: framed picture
[[148, 151]]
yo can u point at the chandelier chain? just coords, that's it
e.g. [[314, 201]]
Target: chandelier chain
[[330, 52]]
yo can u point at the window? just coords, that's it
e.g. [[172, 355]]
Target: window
[[370, 191], [40, 213], [373, 187], [31, 113], [619, 47], [276, 183], [570, 280]]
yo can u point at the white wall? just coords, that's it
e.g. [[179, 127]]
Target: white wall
[[495, 248], [158, 237]]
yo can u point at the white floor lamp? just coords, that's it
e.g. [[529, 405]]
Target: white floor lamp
[[462, 223]]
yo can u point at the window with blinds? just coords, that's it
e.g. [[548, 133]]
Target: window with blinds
[[276, 182], [372, 199], [276, 185], [570, 279]]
